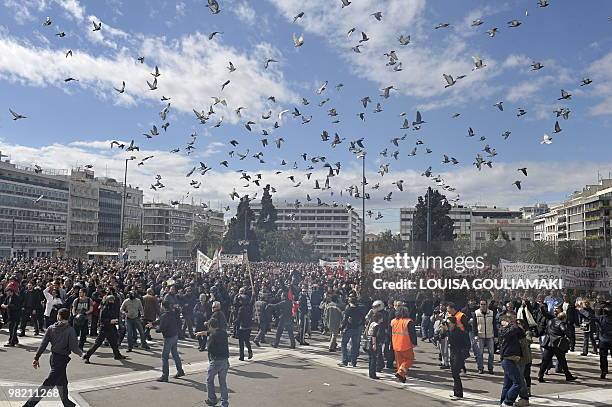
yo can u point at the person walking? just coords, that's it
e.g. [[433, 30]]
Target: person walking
[[404, 338], [244, 322], [587, 315], [333, 320], [524, 364], [262, 318], [168, 327], [132, 310], [352, 321], [375, 339], [201, 313], [32, 299], [12, 306], [604, 322], [109, 318], [82, 308], [510, 354], [285, 321], [218, 363], [555, 343], [63, 341], [485, 329], [150, 307], [459, 344]]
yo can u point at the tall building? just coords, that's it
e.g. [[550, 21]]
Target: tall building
[[167, 225], [33, 210], [109, 223], [83, 212], [45, 212], [478, 224], [530, 212], [334, 231], [585, 216]]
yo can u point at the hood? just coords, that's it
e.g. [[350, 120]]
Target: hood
[[61, 326]]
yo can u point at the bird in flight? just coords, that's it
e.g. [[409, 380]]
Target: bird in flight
[[17, 116], [96, 27]]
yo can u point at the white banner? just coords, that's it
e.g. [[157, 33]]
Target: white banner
[[583, 278], [231, 258], [204, 263]]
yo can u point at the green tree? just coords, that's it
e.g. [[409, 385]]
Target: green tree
[[386, 243], [441, 225], [267, 216], [570, 253], [132, 236], [499, 246], [239, 228], [203, 238], [541, 252], [285, 246]]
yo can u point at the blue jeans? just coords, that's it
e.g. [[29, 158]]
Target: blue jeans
[[489, 344], [170, 347], [512, 382], [426, 327], [353, 335], [218, 367], [134, 328]]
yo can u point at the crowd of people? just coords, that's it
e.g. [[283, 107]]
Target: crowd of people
[[116, 302]]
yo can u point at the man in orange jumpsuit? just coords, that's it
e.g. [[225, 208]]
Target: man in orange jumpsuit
[[404, 339]]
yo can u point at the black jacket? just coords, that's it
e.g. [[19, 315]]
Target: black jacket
[[509, 337], [283, 310], [244, 319], [218, 347], [168, 325], [220, 317], [458, 341], [605, 328], [353, 318]]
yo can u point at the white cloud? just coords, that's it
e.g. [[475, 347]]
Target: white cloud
[[180, 9], [430, 54], [601, 71], [73, 8], [245, 12], [182, 64], [23, 9]]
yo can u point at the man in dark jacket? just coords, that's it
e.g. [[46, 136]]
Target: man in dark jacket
[[188, 301], [555, 343], [218, 362], [219, 315], [12, 306], [63, 341], [169, 329], [31, 308], [303, 312], [262, 317], [109, 318], [510, 354], [285, 321], [352, 322], [459, 344], [605, 339]]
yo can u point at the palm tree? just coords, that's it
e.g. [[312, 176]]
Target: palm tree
[[570, 253], [203, 238], [541, 252], [132, 236]]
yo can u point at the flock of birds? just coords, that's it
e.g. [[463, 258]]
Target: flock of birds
[[318, 170]]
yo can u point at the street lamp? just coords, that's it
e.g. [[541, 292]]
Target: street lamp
[[362, 155], [123, 201]]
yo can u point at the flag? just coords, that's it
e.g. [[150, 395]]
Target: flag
[[203, 263]]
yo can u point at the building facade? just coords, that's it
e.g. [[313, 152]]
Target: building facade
[[334, 230], [478, 224], [167, 225], [83, 213], [46, 212], [33, 211], [584, 217]]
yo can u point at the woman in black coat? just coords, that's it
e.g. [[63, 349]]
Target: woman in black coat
[[244, 322]]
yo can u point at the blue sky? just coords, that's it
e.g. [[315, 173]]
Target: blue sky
[[72, 123]]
